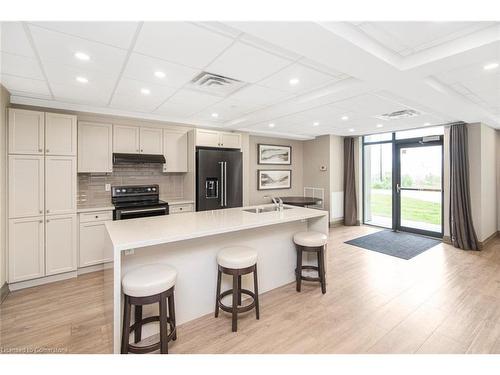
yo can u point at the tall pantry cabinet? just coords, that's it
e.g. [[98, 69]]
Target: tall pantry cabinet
[[42, 233]]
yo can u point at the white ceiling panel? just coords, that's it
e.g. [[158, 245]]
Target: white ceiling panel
[[118, 34], [20, 66], [131, 89], [30, 87], [247, 63], [142, 68], [308, 79], [66, 76], [178, 110], [14, 39], [199, 99], [81, 94], [61, 48], [181, 42], [258, 95], [370, 105]]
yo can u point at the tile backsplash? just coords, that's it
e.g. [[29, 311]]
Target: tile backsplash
[[91, 187]]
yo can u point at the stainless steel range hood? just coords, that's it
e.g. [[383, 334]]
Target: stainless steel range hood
[[119, 158]]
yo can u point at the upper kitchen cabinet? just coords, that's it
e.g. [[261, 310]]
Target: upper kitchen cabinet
[[151, 141], [212, 138], [26, 132], [26, 185], [60, 134], [175, 150], [60, 185], [126, 139], [95, 147]]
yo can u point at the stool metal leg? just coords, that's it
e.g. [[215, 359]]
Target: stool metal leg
[[235, 304], [217, 296], [163, 326], [138, 327], [239, 289], [298, 270], [256, 292], [126, 325], [321, 269], [171, 314]]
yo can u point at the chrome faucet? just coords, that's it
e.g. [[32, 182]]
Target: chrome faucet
[[278, 203]]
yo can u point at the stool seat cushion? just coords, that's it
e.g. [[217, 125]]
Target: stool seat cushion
[[149, 280], [310, 239], [237, 257]]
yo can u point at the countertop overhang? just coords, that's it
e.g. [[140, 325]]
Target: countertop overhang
[[156, 230]]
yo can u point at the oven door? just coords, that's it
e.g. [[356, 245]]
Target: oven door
[[133, 213]]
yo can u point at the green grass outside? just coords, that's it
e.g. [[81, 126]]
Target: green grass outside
[[412, 209]]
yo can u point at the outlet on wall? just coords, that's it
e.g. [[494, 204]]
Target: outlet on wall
[[107, 187]]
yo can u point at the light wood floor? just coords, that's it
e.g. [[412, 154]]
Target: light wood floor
[[443, 301]]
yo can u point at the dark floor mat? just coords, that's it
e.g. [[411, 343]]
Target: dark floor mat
[[396, 244]]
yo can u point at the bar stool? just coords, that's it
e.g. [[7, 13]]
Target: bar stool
[[312, 242], [237, 261], [146, 285]]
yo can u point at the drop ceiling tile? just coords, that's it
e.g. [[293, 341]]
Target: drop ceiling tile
[[31, 87], [198, 99], [178, 110], [118, 33], [131, 89], [60, 48], [81, 94], [308, 79], [20, 66], [259, 96], [142, 68], [181, 42], [14, 40], [247, 63], [370, 105]]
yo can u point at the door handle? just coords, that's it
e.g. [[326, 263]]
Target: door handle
[[225, 183], [398, 188], [222, 183]]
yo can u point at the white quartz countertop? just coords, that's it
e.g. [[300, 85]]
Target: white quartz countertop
[[148, 231], [86, 207]]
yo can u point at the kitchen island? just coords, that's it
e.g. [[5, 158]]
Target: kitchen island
[[190, 242]]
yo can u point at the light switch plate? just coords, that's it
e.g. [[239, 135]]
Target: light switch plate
[[107, 187]]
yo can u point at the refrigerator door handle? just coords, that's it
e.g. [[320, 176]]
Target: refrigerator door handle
[[223, 183]]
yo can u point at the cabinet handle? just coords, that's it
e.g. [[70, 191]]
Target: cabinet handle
[[47, 150], [142, 150], [96, 216], [48, 220], [47, 211], [40, 221], [40, 150]]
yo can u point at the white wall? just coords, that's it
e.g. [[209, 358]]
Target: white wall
[[498, 178], [317, 154], [4, 101]]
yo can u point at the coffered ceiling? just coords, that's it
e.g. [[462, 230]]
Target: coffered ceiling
[[293, 79]]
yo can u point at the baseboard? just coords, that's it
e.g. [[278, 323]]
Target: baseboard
[[94, 268], [4, 290], [337, 223], [447, 240], [486, 242], [41, 281]]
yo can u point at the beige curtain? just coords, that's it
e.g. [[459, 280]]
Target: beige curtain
[[350, 203], [462, 230]]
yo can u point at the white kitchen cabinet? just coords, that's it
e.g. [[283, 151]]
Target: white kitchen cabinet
[[26, 249], [175, 150], [212, 138], [26, 132], [60, 134], [94, 248], [60, 244], [26, 185], [95, 147], [60, 185], [151, 141], [126, 139]]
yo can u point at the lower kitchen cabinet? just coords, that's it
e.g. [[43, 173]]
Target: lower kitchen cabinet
[[26, 248], [60, 244], [93, 239], [180, 208]]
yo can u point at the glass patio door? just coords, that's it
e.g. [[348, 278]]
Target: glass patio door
[[418, 188]]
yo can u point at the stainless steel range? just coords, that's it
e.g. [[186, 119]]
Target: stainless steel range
[[137, 201]]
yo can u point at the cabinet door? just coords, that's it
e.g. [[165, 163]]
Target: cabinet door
[[95, 147], [230, 140], [60, 185], [26, 132], [60, 134], [26, 249], [26, 185], [207, 138], [94, 248], [151, 141], [60, 244], [126, 139], [175, 151]]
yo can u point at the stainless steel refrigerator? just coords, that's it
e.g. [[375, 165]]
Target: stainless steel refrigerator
[[218, 179]]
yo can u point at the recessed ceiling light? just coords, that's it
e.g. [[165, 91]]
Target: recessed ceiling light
[[294, 81], [160, 74], [490, 66], [351, 130], [427, 123], [315, 123], [345, 118], [82, 56], [271, 125], [380, 125], [82, 79], [215, 115], [145, 91]]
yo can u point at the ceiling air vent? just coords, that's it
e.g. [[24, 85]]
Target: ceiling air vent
[[215, 84], [399, 114]]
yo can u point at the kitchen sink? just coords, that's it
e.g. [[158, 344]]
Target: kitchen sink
[[258, 210]]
